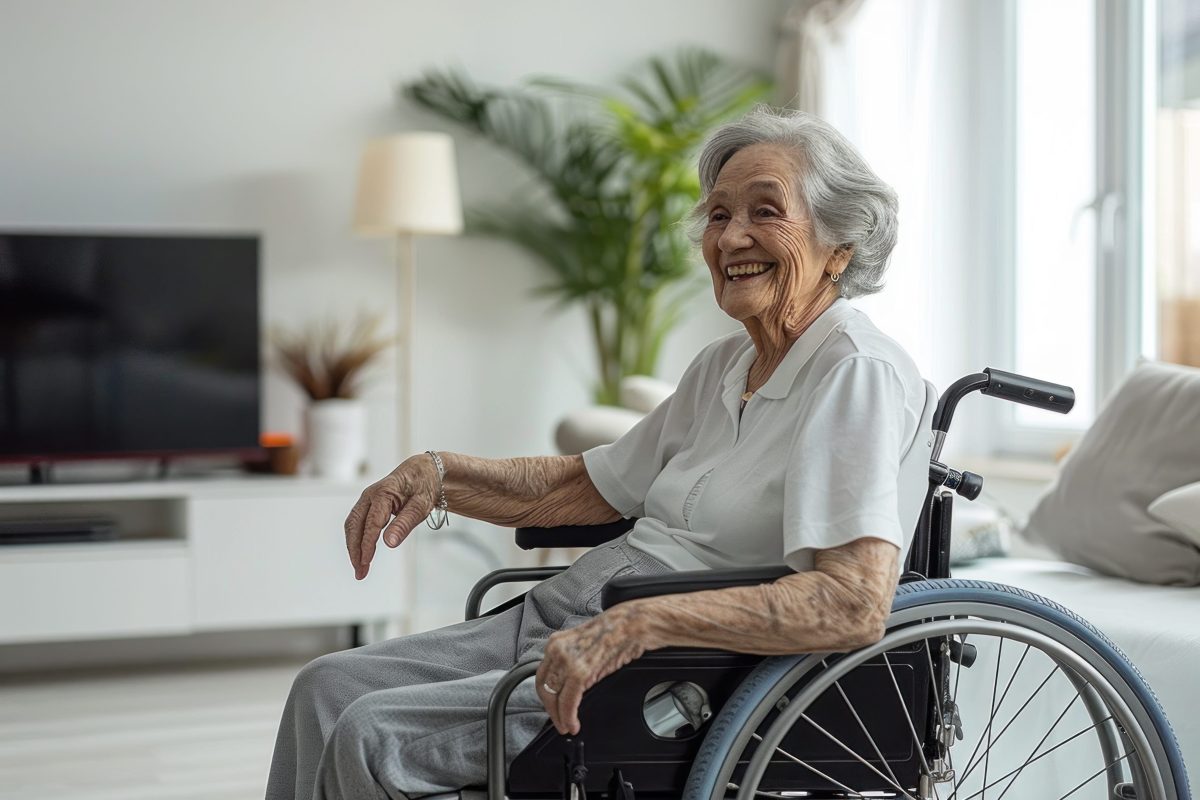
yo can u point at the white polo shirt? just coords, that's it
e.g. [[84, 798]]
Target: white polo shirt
[[834, 447]]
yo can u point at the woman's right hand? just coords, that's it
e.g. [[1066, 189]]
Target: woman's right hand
[[405, 496]]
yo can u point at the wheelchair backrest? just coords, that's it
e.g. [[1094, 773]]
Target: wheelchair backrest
[[924, 542]]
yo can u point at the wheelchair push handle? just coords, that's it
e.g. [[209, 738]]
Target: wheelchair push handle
[[1029, 391], [1006, 386]]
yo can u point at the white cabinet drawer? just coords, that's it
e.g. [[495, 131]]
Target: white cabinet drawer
[[283, 562], [94, 591]]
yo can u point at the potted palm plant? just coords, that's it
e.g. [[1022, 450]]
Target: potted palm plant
[[614, 177]]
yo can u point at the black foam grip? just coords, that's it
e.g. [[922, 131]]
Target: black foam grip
[[1029, 391]]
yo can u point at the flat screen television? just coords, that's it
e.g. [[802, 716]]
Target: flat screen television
[[127, 345]]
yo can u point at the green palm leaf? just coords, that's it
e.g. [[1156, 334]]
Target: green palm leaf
[[615, 177]]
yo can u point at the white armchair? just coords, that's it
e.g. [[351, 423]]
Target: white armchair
[[584, 429]]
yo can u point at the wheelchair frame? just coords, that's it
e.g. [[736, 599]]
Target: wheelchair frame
[[928, 561]]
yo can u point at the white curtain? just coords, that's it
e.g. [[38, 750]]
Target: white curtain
[[810, 30], [895, 78], [881, 91]]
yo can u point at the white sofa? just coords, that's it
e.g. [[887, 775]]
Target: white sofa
[[588, 427]]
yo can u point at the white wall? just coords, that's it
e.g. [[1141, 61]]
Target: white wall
[[227, 115], [249, 116]]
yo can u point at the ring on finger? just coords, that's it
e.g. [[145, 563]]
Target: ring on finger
[[549, 689]]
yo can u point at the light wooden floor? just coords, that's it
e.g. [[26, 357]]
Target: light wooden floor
[[151, 734]]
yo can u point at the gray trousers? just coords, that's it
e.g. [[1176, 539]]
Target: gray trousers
[[406, 717]]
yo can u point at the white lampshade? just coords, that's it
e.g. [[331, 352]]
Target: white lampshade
[[408, 183]]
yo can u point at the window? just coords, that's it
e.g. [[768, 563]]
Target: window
[[1055, 209], [1174, 283], [1068, 285]]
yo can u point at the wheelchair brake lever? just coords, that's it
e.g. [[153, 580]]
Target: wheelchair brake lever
[[965, 484]]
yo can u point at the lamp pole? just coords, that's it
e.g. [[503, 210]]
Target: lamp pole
[[406, 307]]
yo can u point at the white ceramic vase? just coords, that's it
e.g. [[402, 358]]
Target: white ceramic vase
[[337, 438]]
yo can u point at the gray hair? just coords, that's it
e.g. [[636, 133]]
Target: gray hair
[[846, 201]]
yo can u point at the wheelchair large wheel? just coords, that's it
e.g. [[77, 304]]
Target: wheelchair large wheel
[[1020, 694]]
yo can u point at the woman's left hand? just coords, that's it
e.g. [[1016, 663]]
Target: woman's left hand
[[578, 658]]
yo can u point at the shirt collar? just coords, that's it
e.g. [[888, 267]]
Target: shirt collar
[[784, 376]]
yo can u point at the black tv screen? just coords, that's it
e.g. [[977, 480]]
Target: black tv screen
[[127, 345]]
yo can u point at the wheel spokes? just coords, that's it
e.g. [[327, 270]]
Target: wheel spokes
[[971, 764], [920, 746], [808, 766], [987, 754], [1098, 772], [862, 726], [872, 728], [1069, 739], [855, 756], [1037, 746]]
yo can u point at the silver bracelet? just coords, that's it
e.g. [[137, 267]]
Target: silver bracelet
[[438, 518]]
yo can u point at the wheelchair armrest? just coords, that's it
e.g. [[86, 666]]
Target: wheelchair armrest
[[572, 535], [631, 587], [508, 575]]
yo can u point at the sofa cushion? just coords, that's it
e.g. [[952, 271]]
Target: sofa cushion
[[1144, 443]]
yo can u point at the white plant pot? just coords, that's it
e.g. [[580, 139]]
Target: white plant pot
[[337, 438]]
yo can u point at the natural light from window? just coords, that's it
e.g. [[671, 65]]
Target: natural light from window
[[1055, 216], [1177, 152]]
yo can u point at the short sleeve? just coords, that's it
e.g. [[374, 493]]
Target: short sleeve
[[624, 470], [843, 471]]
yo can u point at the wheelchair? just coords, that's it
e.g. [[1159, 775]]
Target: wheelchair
[[952, 702]]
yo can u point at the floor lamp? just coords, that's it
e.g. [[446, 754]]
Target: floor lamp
[[407, 186]]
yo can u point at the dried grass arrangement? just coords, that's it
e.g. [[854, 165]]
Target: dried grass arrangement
[[327, 359]]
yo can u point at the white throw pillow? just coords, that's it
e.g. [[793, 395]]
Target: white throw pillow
[[1145, 441], [1180, 508]]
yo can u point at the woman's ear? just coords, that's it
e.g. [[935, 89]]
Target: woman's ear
[[838, 259]]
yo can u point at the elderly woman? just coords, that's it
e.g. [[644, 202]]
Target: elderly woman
[[800, 440]]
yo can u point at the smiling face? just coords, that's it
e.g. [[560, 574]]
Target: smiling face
[[766, 264]]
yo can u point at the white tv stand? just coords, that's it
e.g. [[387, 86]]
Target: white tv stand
[[191, 556]]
